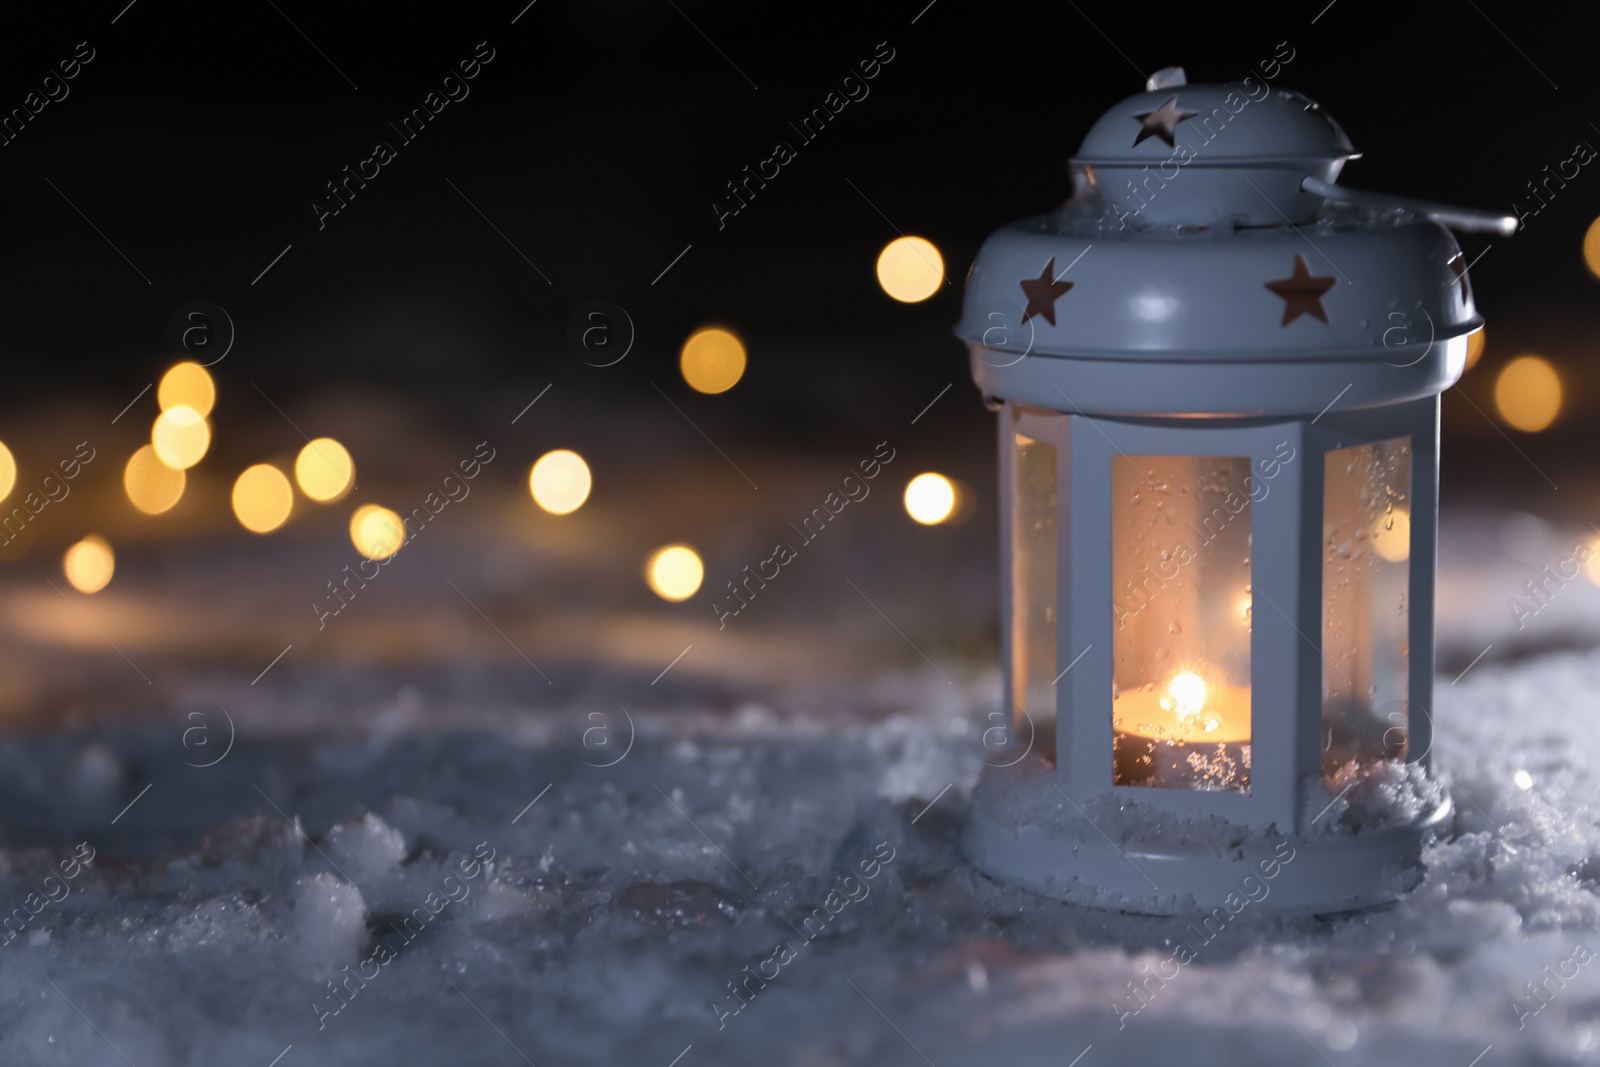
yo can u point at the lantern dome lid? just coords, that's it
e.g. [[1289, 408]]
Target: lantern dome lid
[[1207, 263], [1214, 126]]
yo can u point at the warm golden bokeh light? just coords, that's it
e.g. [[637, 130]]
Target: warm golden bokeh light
[[1391, 537], [376, 531], [181, 437], [151, 485], [262, 497], [8, 472], [712, 360], [1475, 343], [674, 572], [1593, 566], [88, 564], [1528, 393], [187, 384], [1591, 248], [910, 269], [560, 481], [930, 498], [324, 470]]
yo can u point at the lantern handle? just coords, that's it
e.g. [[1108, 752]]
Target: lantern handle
[[1466, 220]]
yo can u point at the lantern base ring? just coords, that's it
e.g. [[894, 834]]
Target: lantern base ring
[[1062, 855]]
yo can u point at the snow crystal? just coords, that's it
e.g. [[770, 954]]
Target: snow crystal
[[329, 921]]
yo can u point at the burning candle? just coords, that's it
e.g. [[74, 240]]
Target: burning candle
[[1192, 734]]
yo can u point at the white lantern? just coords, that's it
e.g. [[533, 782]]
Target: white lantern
[[1217, 376]]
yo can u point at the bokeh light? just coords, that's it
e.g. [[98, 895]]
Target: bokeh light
[[151, 485], [89, 564], [1391, 536], [713, 360], [324, 470], [674, 572], [1528, 393], [930, 498], [262, 497], [910, 269], [1475, 343], [1591, 248], [8, 472], [1593, 565], [187, 384], [181, 437], [377, 532], [560, 481]]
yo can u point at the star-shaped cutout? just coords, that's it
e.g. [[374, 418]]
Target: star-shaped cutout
[[1458, 267], [1162, 122], [1302, 294], [1042, 293]]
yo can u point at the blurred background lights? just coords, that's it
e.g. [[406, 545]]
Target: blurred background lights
[[262, 497], [910, 269], [930, 498], [180, 437], [1475, 343], [674, 572], [712, 360], [560, 481], [151, 485], [1591, 248], [187, 384], [1523, 780], [324, 470], [1528, 393], [376, 531], [88, 564], [8, 472]]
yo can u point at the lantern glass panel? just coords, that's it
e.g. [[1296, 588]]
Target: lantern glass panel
[[1034, 591], [1180, 575], [1366, 577]]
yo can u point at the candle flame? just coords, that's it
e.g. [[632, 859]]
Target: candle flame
[[1186, 695]]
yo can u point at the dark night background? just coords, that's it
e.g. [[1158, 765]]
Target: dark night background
[[595, 141]]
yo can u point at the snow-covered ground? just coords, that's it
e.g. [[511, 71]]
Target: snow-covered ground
[[418, 850]]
